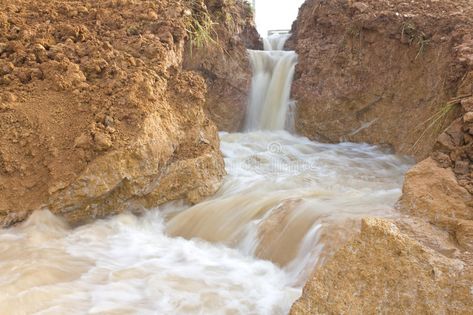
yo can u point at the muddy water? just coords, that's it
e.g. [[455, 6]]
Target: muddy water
[[269, 105], [286, 204]]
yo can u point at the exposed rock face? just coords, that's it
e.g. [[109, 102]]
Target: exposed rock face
[[96, 111], [433, 193], [386, 271], [225, 64], [381, 72]]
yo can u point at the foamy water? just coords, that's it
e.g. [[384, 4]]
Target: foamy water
[[286, 200], [273, 72]]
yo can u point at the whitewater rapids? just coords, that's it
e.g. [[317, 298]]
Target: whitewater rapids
[[246, 250]]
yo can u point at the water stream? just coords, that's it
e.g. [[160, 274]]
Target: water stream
[[286, 205], [273, 71]]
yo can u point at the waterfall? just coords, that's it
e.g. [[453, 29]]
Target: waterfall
[[275, 42], [273, 71]]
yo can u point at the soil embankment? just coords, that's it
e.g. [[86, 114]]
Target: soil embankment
[[96, 110], [379, 71], [224, 63]]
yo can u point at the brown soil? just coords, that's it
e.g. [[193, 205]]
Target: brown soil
[[96, 110], [378, 71], [225, 65]]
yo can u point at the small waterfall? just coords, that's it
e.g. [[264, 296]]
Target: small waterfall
[[275, 42], [273, 71]]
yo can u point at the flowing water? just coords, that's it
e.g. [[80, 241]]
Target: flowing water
[[273, 71], [286, 205]]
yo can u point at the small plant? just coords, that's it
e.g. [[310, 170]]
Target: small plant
[[409, 30], [200, 27], [414, 35], [422, 42], [352, 33], [354, 30], [437, 120]]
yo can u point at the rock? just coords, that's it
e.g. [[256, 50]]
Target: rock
[[82, 141], [433, 192], [468, 117], [462, 167], [107, 121], [464, 234], [469, 151], [444, 144], [152, 16], [455, 131], [6, 68], [102, 141], [467, 104], [442, 158], [468, 139], [40, 53], [385, 270], [3, 48]]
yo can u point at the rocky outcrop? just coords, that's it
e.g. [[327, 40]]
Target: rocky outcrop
[[383, 72], [433, 193], [96, 112], [385, 270], [224, 63]]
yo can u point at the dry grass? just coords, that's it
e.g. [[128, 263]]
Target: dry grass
[[414, 36], [434, 123], [201, 27]]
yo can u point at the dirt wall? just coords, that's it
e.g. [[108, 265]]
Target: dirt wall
[[96, 111]]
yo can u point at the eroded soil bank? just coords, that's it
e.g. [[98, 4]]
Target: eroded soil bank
[[224, 63], [378, 71], [96, 110], [396, 73]]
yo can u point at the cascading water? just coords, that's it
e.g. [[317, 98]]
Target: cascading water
[[273, 71], [286, 205]]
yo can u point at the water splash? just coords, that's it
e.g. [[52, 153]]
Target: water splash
[[286, 204], [127, 265], [284, 196], [275, 41]]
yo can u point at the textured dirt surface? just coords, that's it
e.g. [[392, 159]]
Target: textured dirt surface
[[433, 193], [378, 71], [225, 65], [387, 271], [96, 111]]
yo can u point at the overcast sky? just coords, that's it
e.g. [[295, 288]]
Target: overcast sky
[[275, 14]]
